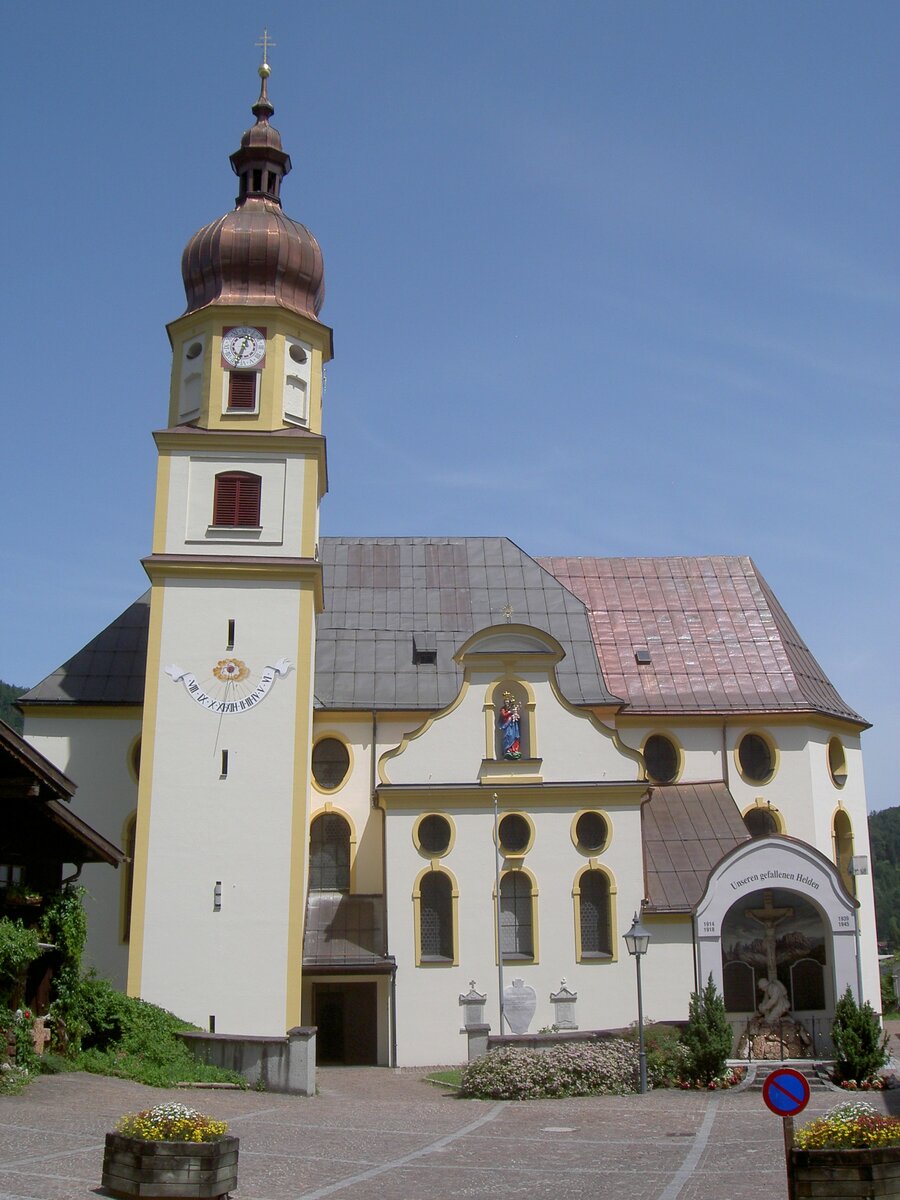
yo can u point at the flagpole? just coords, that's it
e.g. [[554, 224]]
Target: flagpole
[[497, 909]]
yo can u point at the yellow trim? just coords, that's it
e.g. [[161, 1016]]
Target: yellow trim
[[417, 732], [592, 957], [126, 882], [133, 751], [734, 719], [573, 832], [535, 939], [328, 809], [776, 814], [515, 796], [299, 869], [514, 854], [335, 735], [145, 792], [773, 749], [212, 567], [314, 487], [80, 712], [161, 504], [843, 863], [417, 916], [431, 855], [679, 756], [837, 775]]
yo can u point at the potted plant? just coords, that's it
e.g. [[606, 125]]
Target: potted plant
[[845, 1152], [170, 1150]]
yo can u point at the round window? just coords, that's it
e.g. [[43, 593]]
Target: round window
[[194, 350], [434, 834], [330, 763], [837, 762], [760, 822], [298, 354], [515, 834], [661, 758], [591, 832], [756, 758]]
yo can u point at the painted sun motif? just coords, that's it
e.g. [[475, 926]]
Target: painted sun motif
[[231, 670]]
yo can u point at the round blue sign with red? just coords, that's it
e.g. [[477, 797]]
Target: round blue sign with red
[[786, 1092]]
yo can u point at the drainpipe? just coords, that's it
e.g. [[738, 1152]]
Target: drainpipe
[[392, 1050], [497, 909]]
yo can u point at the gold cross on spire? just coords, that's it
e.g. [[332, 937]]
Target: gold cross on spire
[[265, 42]]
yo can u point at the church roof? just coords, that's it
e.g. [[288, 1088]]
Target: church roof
[[686, 828], [716, 639], [388, 599], [697, 635]]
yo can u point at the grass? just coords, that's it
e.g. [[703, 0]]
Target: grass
[[451, 1077]]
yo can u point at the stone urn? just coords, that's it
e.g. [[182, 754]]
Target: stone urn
[[133, 1167], [851, 1174]]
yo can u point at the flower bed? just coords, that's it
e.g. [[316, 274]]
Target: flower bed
[[853, 1125], [579, 1069]]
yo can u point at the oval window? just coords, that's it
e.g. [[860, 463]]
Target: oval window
[[298, 354], [837, 762], [591, 832], [756, 759], [330, 763], [434, 834], [515, 834], [661, 758], [194, 350], [760, 822]]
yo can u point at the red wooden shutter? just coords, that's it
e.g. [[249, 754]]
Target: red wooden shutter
[[237, 498], [242, 390]]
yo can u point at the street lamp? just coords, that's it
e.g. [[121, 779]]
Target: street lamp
[[637, 939]]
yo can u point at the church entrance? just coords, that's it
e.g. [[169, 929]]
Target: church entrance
[[346, 1017]]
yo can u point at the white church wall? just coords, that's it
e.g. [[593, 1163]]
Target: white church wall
[[234, 830], [699, 745], [96, 752]]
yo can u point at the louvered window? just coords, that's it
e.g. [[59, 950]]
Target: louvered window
[[436, 914], [594, 914], [242, 391], [237, 499]]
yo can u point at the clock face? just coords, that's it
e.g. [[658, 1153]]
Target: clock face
[[243, 346]]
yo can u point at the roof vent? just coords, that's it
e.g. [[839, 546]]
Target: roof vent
[[641, 654], [425, 650]]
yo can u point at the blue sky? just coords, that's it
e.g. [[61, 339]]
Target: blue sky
[[607, 278]]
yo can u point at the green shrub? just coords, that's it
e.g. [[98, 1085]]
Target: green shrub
[[708, 1035], [667, 1055], [136, 1040], [576, 1069], [65, 926], [860, 1047], [19, 947]]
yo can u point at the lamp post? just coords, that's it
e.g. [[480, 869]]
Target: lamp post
[[637, 939]]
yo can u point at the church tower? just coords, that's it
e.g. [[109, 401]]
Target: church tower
[[222, 826]]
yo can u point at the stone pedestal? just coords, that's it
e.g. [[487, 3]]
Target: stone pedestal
[[775, 1041]]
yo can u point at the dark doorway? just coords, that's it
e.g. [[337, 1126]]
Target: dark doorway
[[346, 1015]]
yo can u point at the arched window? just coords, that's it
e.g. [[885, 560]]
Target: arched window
[[760, 821], [329, 854], [592, 897], [435, 917], [517, 916], [842, 834], [237, 500]]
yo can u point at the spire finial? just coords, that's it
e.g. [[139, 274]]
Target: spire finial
[[263, 108]]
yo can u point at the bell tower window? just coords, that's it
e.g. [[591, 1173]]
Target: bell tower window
[[237, 500], [242, 391]]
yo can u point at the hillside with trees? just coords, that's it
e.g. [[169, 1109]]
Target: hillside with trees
[[884, 837], [8, 711]]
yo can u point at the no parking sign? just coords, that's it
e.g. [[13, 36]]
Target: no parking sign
[[786, 1092]]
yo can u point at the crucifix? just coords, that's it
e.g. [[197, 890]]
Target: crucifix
[[265, 41], [768, 916]]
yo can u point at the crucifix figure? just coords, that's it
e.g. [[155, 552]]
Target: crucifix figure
[[774, 1004]]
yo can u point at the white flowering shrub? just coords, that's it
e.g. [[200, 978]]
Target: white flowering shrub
[[577, 1069]]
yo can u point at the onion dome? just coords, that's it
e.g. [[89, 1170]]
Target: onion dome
[[255, 254]]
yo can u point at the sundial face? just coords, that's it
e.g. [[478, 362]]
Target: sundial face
[[230, 688]]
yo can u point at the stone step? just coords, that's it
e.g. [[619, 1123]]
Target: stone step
[[814, 1072]]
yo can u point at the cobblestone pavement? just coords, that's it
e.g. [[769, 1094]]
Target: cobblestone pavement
[[373, 1132]]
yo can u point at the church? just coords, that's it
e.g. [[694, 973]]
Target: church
[[363, 781]]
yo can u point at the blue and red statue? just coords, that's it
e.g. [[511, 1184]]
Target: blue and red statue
[[508, 724]]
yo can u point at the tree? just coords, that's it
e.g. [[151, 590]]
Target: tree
[[860, 1047], [708, 1035], [9, 693]]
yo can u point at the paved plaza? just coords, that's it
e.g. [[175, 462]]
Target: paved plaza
[[374, 1132]]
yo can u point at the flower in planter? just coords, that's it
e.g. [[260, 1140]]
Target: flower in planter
[[853, 1125], [172, 1123]]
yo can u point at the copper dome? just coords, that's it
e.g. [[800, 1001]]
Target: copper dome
[[255, 254]]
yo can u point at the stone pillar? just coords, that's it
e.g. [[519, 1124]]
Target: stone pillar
[[302, 1060], [478, 1040], [472, 1004]]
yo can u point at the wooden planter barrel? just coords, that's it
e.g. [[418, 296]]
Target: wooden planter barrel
[[850, 1174], [134, 1168]]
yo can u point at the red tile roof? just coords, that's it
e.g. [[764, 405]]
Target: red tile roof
[[718, 640]]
